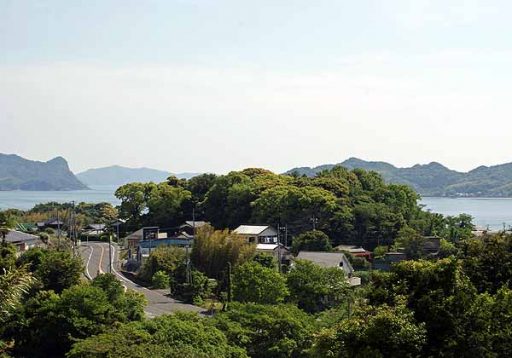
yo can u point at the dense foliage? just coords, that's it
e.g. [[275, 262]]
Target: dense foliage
[[434, 179], [349, 206], [314, 288], [258, 284], [456, 301], [177, 336], [314, 240]]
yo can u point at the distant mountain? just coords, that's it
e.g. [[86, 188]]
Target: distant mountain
[[17, 173], [434, 179], [117, 175]]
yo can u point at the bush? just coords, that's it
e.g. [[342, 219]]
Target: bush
[[265, 260], [365, 276], [360, 263], [199, 289], [380, 251], [160, 280], [164, 258]]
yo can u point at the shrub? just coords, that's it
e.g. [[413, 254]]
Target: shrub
[[160, 280]]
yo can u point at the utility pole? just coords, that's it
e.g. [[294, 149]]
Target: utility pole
[[189, 273], [150, 243], [72, 228], [286, 235], [278, 248], [58, 230], [110, 252]]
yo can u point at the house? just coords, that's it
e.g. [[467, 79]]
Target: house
[[278, 251], [389, 258], [55, 224], [95, 227], [132, 241], [354, 250], [257, 234], [95, 230], [181, 240], [23, 241], [188, 226], [331, 259]]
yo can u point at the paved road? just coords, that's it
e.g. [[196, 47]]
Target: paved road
[[96, 258]]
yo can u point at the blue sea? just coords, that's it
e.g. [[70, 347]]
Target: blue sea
[[18, 199], [495, 213], [487, 212]]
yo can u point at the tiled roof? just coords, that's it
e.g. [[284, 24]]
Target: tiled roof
[[18, 236]]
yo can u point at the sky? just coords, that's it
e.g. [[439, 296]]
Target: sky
[[214, 86]]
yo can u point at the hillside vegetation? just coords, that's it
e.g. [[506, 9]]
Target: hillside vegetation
[[117, 175], [433, 179], [17, 173]]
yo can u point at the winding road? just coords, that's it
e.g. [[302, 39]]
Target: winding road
[[96, 259]]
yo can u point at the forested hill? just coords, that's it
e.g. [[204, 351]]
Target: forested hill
[[434, 179], [17, 173], [117, 175]]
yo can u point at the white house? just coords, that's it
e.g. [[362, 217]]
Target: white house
[[258, 234], [331, 259]]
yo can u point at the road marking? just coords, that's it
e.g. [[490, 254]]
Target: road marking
[[113, 266], [87, 264], [100, 270]]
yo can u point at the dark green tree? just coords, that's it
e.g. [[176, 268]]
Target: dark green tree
[[314, 240], [267, 331], [314, 288], [59, 270], [255, 283]]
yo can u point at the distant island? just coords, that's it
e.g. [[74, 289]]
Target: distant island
[[434, 179], [118, 175], [17, 173]]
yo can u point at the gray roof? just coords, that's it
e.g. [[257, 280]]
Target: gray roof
[[14, 236], [135, 235], [327, 259], [197, 224], [251, 229], [95, 226]]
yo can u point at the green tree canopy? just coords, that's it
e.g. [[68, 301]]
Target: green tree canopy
[[314, 240], [381, 331], [255, 283], [267, 331], [59, 270], [176, 336], [314, 288]]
